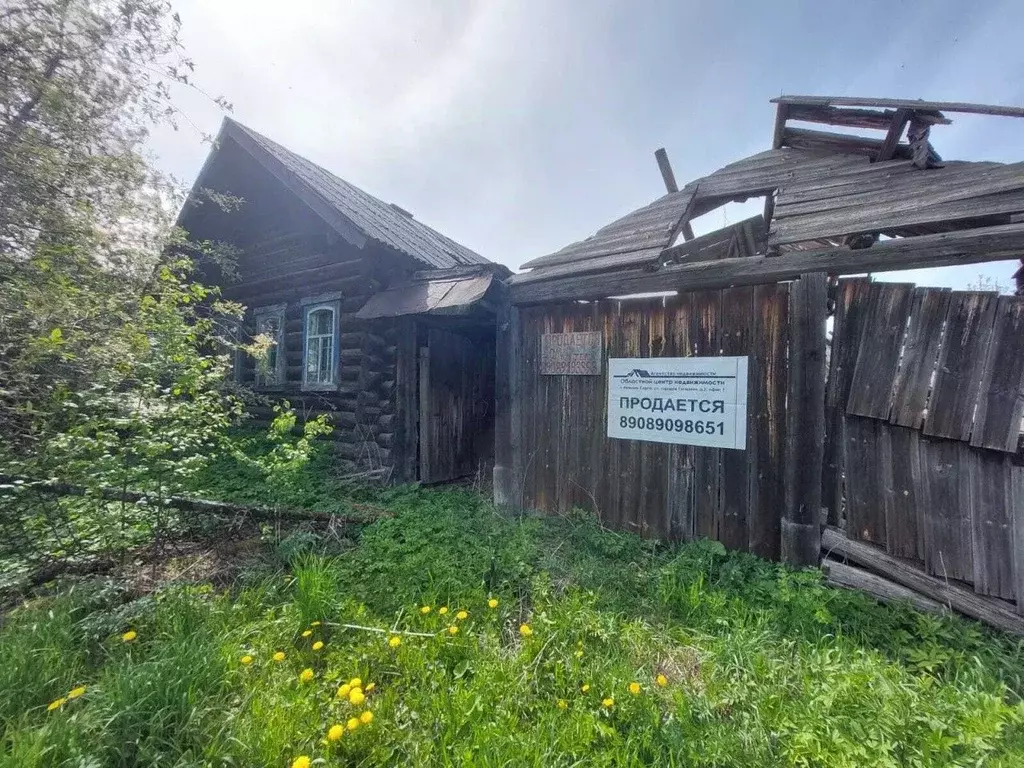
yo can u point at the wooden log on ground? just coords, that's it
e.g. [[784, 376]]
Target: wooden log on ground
[[987, 610], [841, 575]]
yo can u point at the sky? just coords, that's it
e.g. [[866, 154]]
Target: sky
[[519, 126]]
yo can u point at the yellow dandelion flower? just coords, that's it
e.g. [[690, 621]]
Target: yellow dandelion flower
[[661, 680], [314, 623], [355, 682], [306, 675], [395, 641], [279, 656], [353, 723], [247, 659], [525, 630], [343, 691], [462, 615], [74, 693], [442, 610], [356, 697], [425, 609], [336, 732], [579, 653], [301, 762], [307, 632], [129, 636], [492, 603], [585, 687], [608, 703], [453, 630], [634, 688], [366, 718], [318, 645], [57, 704], [369, 687], [563, 704]]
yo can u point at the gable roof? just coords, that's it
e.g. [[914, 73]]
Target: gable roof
[[356, 215]]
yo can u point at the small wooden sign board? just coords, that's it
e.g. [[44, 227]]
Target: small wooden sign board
[[571, 354]]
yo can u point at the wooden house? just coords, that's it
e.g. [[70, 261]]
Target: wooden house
[[375, 318]]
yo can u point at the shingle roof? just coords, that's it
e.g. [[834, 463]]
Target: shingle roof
[[377, 220]]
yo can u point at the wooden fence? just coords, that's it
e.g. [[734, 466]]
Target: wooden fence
[[924, 405], [560, 454]]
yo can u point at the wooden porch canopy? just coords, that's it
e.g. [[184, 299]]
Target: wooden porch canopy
[[841, 203], [428, 296]]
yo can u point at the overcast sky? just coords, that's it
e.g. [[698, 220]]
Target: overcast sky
[[516, 127]]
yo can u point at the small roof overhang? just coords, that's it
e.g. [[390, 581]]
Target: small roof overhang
[[428, 296]]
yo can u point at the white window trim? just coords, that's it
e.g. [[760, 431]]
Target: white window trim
[[335, 336], [259, 314]]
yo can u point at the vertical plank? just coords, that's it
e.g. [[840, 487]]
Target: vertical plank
[[1017, 524], [737, 309], [426, 422], [805, 426], [680, 481], [868, 461], [879, 354], [654, 456], [905, 510], [1001, 398], [991, 535], [612, 497], [947, 505], [705, 311], [961, 364], [407, 405], [923, 344], [766, 435], [629, 480]]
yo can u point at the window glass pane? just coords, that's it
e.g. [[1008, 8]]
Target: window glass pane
[[325, 360], [320, 322], [312, 356]]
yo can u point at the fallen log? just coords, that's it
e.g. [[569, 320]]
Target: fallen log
[[188, 504], [841, 575], [984, 609]]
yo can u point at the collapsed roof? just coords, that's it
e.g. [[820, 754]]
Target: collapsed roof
[[824, 190]]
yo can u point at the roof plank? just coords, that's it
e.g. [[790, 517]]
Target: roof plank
[[931, 106]]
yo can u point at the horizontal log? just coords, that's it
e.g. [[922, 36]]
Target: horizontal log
[[970, 246], [835, 543], [846, 576], [930, 106]]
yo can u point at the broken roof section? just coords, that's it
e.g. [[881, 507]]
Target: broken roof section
[[824, 189]]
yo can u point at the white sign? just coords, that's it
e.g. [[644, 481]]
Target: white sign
[[686, 400]]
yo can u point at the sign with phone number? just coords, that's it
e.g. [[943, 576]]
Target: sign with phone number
[[685, 400]]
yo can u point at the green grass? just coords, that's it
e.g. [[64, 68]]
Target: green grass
[[764, 666]]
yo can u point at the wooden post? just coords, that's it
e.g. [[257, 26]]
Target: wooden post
[[805, 422], [507, 484], [406, 403], [670, 186]]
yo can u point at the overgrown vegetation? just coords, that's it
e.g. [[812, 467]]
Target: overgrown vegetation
[[736, 661]]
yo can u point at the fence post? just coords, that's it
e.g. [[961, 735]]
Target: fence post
[[805, 422], [508, 362]]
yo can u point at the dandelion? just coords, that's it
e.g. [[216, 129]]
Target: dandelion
[[366, 718], [579, 653], [306, 675], [353, 723], [608, 703], [661, 680], [369, 687], [301, 762], [525, 630], [425, 610], [453, 630], [247, 659], [492, 603], [355, 682], [343, 691], [395, 641], [585, 687], [279, 656], [462, 615], [307, 632], [563, 704], [634, 688], [336, 732], [356, 697], [442, 610], [57, 704], [129, 636], [314, 624], [318, 645], [74, 693]]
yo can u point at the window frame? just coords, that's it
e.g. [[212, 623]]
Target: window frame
[[259, 315], [308, 308]]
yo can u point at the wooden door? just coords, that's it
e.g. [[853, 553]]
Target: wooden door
[[456, 405]]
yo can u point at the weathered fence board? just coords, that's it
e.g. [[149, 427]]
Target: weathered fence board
[[879, 354], [1001, 403], [923, 342], [991, 535], [947, 518]]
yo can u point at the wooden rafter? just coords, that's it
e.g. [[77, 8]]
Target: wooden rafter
[[900, 119], [935, 106]]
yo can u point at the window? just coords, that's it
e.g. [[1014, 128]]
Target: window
[[320, 358], [270, 324]]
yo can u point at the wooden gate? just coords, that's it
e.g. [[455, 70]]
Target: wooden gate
[[456, 404], [562, 458], [924, 404]]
